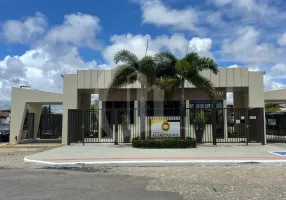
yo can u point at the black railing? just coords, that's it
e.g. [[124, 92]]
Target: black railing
[[276, 126], [50, 126], [220, 125]]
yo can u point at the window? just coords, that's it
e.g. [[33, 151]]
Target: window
[[123, 107], [205, 106], [163, 108]]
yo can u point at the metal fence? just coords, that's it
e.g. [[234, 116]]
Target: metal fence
[[221, 125], [276, 127], [50, 126], [28, 126]]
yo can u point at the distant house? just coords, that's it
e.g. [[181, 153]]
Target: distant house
[[5, 116]]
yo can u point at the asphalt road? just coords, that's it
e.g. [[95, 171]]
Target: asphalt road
[[24, 184], [251, 182]]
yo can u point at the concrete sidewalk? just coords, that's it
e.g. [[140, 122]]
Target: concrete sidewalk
[[91, 155]]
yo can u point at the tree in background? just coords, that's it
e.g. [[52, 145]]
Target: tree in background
[[46, 109], [174, 72], [95, 105], [271, 107], [94, 114]]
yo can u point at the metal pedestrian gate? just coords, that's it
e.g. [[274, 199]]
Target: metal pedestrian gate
[[50, 126], [102, 125], [276, 126], [222, 125]]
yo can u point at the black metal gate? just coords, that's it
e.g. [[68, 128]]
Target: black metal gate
[[28, 126], [223, 125], [229, 125], [276, 126], [116, 125], [50, 126]]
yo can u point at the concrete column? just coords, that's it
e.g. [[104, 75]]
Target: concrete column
[[69, 102], [256, 94], [37, 110], [256, 90], [18, 113]]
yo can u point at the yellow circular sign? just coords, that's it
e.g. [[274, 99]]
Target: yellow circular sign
[[165, 126]]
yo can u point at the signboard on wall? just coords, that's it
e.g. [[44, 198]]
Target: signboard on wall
[[272, 122], [165, 129]]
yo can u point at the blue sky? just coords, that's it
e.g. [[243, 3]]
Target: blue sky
[[39, 40]]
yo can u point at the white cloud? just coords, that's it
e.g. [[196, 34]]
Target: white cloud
[[278, 70], [155, 12], [54, 52], [272, 84], [41, 68], [245, 47], [233, 66], [282, 40], [177, 44], [248, 6], [77, 29], [202, 46], [15, 31]]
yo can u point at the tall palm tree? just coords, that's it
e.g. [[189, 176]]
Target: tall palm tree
[[133, 69], [174, 72]]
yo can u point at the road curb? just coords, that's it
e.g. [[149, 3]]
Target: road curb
[[152, 163]]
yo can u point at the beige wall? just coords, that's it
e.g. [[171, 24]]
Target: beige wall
[[227, 77], [69, 101], [256, 89], [20, 99], [155, 95], [275, 95]]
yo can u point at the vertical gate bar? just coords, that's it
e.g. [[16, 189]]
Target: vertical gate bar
[[82, 127], [69, 122], [116, 126], [214, 125], [262, 116], [247, 125]]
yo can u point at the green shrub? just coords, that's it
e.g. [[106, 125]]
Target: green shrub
[[164, 143]]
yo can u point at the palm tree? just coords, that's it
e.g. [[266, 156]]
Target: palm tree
[[174, 72], [133, 69]]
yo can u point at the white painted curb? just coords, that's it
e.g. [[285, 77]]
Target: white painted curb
[[152, 163]]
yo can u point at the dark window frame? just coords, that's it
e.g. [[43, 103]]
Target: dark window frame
[[154, 108], [122, 107]]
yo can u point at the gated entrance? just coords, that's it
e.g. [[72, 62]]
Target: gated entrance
[[222, 125], [116, 125], [276, 126], [50, 126]]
